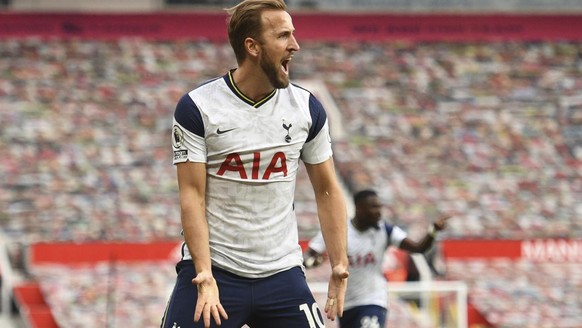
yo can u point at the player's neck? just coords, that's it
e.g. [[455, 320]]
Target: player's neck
[[251, 83], [358, 225]]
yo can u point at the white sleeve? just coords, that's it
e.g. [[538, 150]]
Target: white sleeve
[[188, 141], [187, 146], [397, 236], [318, 150]]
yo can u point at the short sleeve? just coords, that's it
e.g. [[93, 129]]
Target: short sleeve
[[397, 236], [188, 142], [317, 148]]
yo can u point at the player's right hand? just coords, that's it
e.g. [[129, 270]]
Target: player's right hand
[[336, 292], [208, 304]]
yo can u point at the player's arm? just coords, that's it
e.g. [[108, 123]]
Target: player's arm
[[192, 185], [331, 209], [427, 241]]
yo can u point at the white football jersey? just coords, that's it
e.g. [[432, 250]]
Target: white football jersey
[[252, 152], [367, 284]]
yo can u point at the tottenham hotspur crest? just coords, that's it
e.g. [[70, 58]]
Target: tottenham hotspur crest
[[287, 127]]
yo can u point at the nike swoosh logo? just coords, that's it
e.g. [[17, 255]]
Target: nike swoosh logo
[[218, 131]]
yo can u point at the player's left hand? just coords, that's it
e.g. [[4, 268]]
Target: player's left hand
[[441, 222], [336, 292], [208, 304]]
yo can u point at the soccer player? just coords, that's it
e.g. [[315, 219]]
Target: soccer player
[[369, 236], [237, 143]]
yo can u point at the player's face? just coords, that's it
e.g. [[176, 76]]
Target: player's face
[[372, 209], [278, 45]]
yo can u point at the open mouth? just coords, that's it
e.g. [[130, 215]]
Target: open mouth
[[285, 65]]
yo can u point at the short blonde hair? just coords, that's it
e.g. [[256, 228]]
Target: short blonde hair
[[245, 21]]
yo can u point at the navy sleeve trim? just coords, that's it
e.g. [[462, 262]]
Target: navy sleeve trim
[[318, 117], [188, 116], [388, 229]]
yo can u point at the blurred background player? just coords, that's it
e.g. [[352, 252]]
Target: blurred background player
[[368, 238], [237, 143]]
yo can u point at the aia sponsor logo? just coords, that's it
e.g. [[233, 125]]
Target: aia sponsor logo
[[234, 163], [361, 260]]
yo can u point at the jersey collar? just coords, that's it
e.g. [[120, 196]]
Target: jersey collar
[[229, 79]]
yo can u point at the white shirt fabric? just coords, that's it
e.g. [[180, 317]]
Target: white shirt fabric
[[252, 152], [367, 284]]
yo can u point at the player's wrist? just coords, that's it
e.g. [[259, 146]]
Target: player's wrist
[[340, 269], [205, 277], [432, 231]]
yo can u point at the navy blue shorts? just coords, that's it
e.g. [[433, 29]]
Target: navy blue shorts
[[365, 316], [281, 300]]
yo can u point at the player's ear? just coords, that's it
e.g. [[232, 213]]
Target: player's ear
[[253, 47]]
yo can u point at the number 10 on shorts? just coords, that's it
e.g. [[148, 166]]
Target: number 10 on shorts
[[312, 314]]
